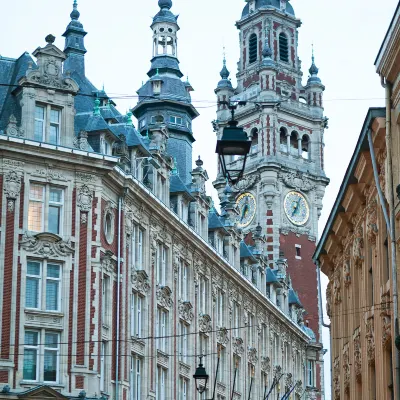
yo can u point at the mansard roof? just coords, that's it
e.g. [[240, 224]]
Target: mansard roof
[[268, 3], [177, 186], [246, 252]]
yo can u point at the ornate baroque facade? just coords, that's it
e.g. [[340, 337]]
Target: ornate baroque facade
[[116, 270]]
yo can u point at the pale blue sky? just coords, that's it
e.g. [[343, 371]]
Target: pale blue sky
[[346, 35]]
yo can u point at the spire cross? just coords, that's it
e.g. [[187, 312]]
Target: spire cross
[[224, 53], [312, 56]]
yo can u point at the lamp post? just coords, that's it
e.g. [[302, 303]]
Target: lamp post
[[201, 377], [234, 142]]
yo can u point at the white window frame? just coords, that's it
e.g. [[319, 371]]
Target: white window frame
[[43, 121], [250, 330], [183, 343], [37, 349], [183, 280], [183, 388], [162, 329], [105, 299], [103, 353], [203, 294], [48, 123], [43, 279], [46, 204], [137, 247], [162, 254], [136, 314], [55, 350], [220, 307], [161, 383], [311, 373], [176, 120], [136, 378]]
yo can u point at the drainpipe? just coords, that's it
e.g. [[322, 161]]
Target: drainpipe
[[321, 320], [118, 299], [391, 225]]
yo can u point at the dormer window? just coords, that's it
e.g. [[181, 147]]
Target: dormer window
[[105, 147], [175, 120], [143, 123], [283, 47], [253, 53], [47, 124]]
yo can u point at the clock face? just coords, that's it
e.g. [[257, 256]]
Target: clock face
[[246, 204], [296, 208]]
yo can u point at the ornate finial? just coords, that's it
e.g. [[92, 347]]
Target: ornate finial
[[224, 72], [157, 72], [129, 118], [50, 39], [96, 109], [75, 13], [199, 162], [165, 4], [313, 69]]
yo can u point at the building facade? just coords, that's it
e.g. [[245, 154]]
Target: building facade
[[117, 272], [284, 180], [358, 250]]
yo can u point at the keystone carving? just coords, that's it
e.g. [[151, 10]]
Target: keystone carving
[[46, 245], [185, 311], [12, 129], [222, 336], [164, 296], [357, 357], [81, 142], [238, 347], [358, 248], [370, 338], [140, 281], [297, 181], [12, 185], [107, 262], [252, 355], [84, 202], [266, 364], [205, 323], [372, 227]]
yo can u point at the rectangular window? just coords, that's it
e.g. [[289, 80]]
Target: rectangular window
[[136, 378], [40, 366], [222, 366], [310, 373], [40, 123], [175, 120], [236, 318], [236, 366], [137, 247], [161, 392], [220, 308], [183, 348], [250, 330], [105, 299], [203, 295], [43, 278], [183, 388], [298, 252], [103, 366], [136, 315], [162, 320], [183, 280], [45, 208], [31, 354], [51, 354], [162, 264], [55, 119]]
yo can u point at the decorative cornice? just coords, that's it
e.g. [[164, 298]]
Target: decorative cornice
[[46, 245]]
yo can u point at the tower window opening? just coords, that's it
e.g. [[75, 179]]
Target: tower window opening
[[170, 45], [161, 48], [305, 147], [283, 47], [161, 29], [294, 145], [254, 141], [253, 53], [170, 30], [283, 140]]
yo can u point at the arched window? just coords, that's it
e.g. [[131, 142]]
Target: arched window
[[283, 140], [305, 147], [283, 47], [294, 144], [254, 141], [170, 46], [253, 53]]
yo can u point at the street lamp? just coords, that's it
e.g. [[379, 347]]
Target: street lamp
[[234, 142], [201, 377]]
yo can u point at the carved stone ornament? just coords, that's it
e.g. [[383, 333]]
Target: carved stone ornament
[[46, 245], [346, 368], [337, 298], [386, 321], [140, 281], [277, 371], [246, 183], [346, 272], [81, 142], [12, 129], [107, 262], [358, 248], [252, 355], [12, 185], [336, 379], [222, 336], [186, 311], [298, 181], [372, 227], [205, 323], [238, 347], [49, 174], [289, 380], [329, 299], [164, 296], [357, 357], [370, 338], [84, 199], [266, 364]]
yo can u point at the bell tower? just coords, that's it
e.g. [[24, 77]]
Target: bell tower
[[285, 121]]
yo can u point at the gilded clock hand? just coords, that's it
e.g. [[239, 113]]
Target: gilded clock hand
[[245, 210], [296, 208]]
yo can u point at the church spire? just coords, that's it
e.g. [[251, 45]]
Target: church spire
[[74, 42], [313, 70]]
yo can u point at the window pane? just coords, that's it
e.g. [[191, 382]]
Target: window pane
[[52, 295], [51, 340], [30, 357], [39, 130], [54, 219], [35, 217], [53, 136], [32, 293], [53, 271], [31, 338], [33, 268], [56, 195], [36, 192], [50, 366], [55, 116]]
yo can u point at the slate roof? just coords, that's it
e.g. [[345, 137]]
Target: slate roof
[[294, 298], [270, 275], [309, 332], [215, 221], [177, 186], [268, 3], [245, 251], [171, 89], [11, 71]]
